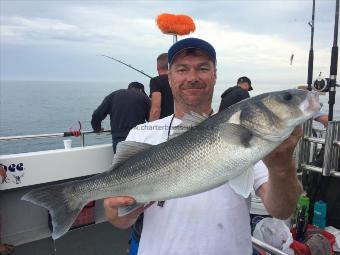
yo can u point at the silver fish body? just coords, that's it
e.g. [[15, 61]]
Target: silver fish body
[[219, 149]]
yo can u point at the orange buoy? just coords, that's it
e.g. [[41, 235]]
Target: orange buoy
[[175, 24]]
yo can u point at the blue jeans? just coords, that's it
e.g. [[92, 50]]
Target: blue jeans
[[133, 245]]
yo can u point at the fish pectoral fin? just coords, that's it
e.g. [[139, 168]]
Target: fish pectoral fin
[[127, 149], [122, 211], [243, 184], [237, 134], [189, 120]]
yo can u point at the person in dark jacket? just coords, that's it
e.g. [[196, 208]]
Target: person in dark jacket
[[237, 93], [127, 108]]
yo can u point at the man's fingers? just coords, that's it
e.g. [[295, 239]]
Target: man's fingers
[[114, 202], [111, 205], [295, 135], [140, 210], [297, 131]]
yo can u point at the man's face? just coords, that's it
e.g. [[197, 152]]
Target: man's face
[[244, 85], [192, 79]]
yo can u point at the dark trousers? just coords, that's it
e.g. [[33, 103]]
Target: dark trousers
[[115, 141]]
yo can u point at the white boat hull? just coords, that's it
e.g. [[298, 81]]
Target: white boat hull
[[23, 222]]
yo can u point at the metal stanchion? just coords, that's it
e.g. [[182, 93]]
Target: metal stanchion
[[305, 145], [331, 156]]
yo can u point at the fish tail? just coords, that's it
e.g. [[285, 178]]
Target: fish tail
[[63, 206]]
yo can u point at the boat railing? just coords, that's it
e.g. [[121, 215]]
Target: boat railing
[[266, 247], [81, 135], [314, 139], [331, 144]]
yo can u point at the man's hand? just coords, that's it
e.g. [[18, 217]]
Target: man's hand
[[281, 192], [111, 211], [282, 156], [98, 131]]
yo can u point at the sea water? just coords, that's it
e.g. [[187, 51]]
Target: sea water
[[44, 107]]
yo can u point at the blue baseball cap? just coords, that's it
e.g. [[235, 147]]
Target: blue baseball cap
[[191, 43]]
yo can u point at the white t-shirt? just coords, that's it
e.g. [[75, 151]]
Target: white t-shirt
[[209, 223]]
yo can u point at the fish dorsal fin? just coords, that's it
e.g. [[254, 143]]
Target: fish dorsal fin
[[194, 118], [235, 118], [127, 149], [189, 120], [243, 184]]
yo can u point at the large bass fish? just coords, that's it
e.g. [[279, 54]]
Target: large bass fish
[[204, 153]]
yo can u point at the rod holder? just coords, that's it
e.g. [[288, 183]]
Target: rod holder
[[332, 151], [305, 145]]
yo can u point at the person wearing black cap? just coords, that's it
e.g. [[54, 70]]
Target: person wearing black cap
[[162, 102], [215, 221], [127, 108], [235, 94]]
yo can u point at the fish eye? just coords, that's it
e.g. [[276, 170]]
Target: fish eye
[[287, 96]]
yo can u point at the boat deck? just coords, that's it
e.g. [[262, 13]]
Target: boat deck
[[99, 239]]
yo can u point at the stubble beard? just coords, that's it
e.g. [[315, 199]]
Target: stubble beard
[[198, 105]]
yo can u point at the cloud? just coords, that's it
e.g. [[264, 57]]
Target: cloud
[[268, 54], [250, 37], [86, 26], [23, 30]]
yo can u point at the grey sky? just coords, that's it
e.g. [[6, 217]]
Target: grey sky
[[60, 40]]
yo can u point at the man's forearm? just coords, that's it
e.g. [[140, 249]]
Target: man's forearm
[[282, 191], [155, 111], [155, 114]]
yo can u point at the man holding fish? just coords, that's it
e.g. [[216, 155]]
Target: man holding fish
[[216, 223], [203, 166]]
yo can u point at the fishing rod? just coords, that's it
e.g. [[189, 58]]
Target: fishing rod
[[128, 65], [311, 51], [334, 65]]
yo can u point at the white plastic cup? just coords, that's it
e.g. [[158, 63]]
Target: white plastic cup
[[68, 144]]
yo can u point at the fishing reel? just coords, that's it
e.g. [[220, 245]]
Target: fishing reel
[[321, 84]]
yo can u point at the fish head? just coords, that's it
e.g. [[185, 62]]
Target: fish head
[[274, 115]]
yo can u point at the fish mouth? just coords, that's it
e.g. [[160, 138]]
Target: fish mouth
[[311, 105]]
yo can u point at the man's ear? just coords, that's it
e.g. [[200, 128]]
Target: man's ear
[[169, 74]]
